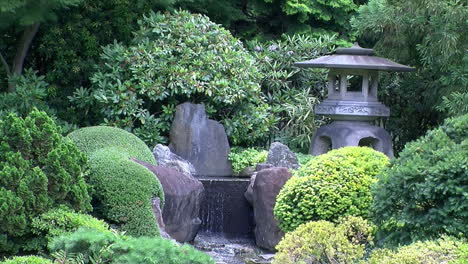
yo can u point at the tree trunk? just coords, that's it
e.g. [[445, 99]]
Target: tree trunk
[[21, 51]]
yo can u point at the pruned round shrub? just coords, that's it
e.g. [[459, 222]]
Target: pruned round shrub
[[424, 192], [27, 260], [174, 58], [115, 248], [242, 158], [59, 221], [90, 139], [330, 186], [443, 250], [39, 170], [323, 242], [123, 189]]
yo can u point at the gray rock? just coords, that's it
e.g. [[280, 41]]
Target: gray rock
[[266, 186], [249, 192], [166, 158], [155, 204], [201, 141], [247, 172], [262, 166], [183, 195], [279, 155]]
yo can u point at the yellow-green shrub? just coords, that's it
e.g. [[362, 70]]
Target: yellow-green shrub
[[323, 242], [330, 186], [27, 260]]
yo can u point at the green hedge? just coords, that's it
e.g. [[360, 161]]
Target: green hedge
[[424, 192], [90, 139], [249, 157], [330, 186], [59, 221], [27, 260], [39, 170], [115, 248], [122, 188], [325, 243]]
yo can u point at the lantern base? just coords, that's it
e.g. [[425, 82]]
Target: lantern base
[[351, 133]]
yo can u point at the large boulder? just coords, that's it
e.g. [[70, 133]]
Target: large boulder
[[201, 141], [264, 188], [183, 194], [280, 155], [165, 158]]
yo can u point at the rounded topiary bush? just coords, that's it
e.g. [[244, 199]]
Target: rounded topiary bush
[[27, 260], [90, 139], [115, 248], [39, 170], [174, 58], [123, 189], [424, 192], [330, 186], [442, 250], [323, 242]]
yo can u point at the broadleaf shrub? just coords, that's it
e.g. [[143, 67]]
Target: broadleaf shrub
[[27, 260], [59, 221], [323, 242], [442, 250], [123, 188], [423, 193], [330, 186], [176, 58], [242, 158], [115, 248], [39, 170]]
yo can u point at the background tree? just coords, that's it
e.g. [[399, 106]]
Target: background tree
[[25, 16], [430, 35]]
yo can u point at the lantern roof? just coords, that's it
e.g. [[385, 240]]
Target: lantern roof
[[354, 58]]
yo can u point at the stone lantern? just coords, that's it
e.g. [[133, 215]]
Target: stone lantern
[[352, 101]]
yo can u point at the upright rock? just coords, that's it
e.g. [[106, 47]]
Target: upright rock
[[201, 141], [279, 155], [266, 186], [183, 196], [166, 158]]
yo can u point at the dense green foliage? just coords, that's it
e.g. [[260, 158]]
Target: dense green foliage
[[137, 87], [113, 248], [292, 92], [39, 170], [322, 242], [27, 260], [330, 186], [123, 188], [59, 221], [90, 139], [423, 192], [430, 35], [443, 250], [304, 158], [241, 158]]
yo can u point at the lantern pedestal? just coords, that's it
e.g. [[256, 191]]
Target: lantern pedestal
[[351, 133]]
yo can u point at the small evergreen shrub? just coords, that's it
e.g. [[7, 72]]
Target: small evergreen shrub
[[90, 139], [27, 260], [304, 158], [330, 186], [443, 250], [323, 242], [115, 248], [243, 158], [424, 192], [39, 170], [59, 221]]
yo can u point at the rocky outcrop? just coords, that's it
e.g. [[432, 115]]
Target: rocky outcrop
[[155, 204], [201, 141], [265, 186], [183, 196], [279, 155], [166, 158]]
